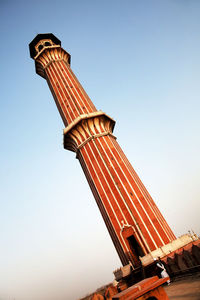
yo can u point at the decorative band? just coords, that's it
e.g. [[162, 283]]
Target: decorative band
[[53, 60], [94, 136]]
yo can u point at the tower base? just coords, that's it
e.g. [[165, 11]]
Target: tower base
[[181, 256]]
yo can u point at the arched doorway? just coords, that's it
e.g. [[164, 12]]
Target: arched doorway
[[135, 249]]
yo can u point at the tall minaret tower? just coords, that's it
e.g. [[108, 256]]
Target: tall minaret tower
[[133, 220]]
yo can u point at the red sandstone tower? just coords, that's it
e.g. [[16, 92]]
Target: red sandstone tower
[[133, 220]]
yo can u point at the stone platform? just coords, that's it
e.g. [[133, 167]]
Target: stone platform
[[187, 288]]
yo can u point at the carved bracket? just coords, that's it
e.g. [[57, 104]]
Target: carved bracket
[[87, 127], [48, 55]]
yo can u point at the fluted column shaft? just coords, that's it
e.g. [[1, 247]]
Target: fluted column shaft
[[116, 185], [70, 97], [126, 206]]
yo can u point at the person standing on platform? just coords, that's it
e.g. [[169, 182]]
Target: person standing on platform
[[162, 269]]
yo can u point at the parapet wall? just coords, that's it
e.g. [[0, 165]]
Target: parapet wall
[[168, 249]]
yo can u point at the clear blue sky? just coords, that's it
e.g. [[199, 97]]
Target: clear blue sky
[[139, 61]]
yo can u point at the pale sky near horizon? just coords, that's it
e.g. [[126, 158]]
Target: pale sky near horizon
[[139, 61]]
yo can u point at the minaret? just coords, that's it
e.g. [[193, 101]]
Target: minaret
[[133, 220]]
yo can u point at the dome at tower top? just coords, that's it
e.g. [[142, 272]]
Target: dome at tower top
[[42, 40]]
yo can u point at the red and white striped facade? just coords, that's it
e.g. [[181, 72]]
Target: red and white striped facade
[[134, 222]]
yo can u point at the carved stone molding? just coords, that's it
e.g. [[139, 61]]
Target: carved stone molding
[[48, 55], [85, 128]]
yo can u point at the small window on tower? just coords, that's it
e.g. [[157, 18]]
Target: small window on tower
[[47, 44], [40, 47]]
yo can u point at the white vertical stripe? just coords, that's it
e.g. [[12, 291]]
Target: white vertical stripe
[[65, 89], [76, 104], [116, 160], [80, 88], [135, 179], [127, 207], [105, 194], [48, 71]]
